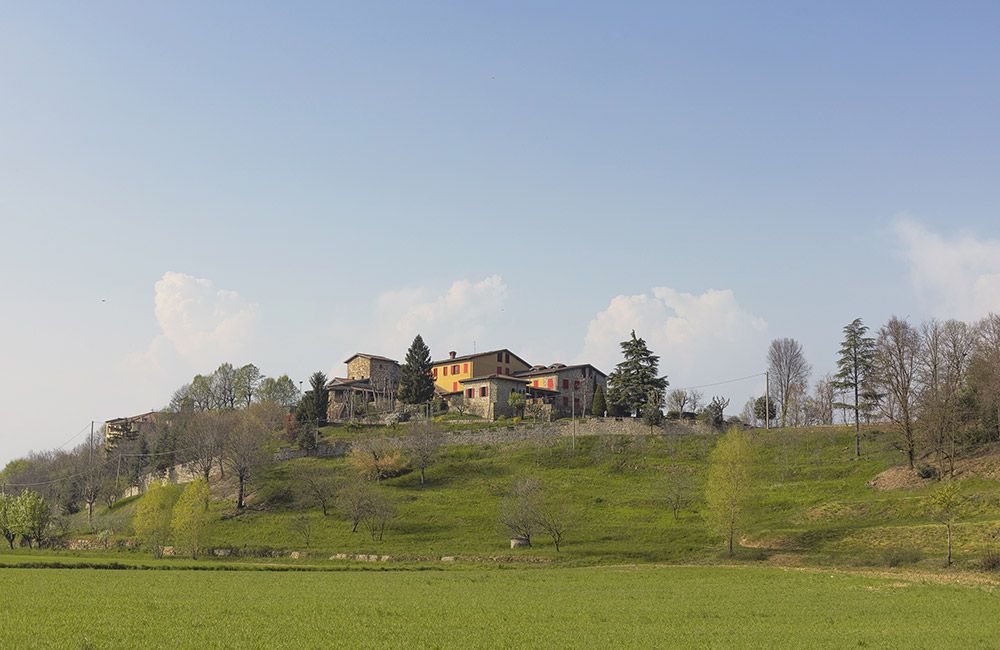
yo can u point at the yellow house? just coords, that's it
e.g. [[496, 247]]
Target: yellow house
[[451, 372]]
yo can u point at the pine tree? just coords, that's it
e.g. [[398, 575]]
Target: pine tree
[[632, 380], [854, 368], [416, 385]]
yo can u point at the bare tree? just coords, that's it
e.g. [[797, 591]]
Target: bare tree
[[355, 500], [424, 440], [554, 518], [519, 509], [678, 487], [316, 483], [303, 526], [376, 457], [897, 352], [380, 511], [789, 373], [203, 440], [676, 400], [821, 404], [244, 453], [695, 398]]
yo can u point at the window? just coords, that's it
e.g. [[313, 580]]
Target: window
[[500, 357], [506, 357], [576, 402], [551, 382], [465, 368], [468, 392], [445, 369], [506, 371], [435, 373], [499, 370], [576, 385], [565, 384], [484, 391], [536, 383], [565, 401], [454, 369]]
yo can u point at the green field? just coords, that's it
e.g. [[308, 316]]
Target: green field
[[599, 607]]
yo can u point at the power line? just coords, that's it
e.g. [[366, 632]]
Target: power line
[[720, 383]]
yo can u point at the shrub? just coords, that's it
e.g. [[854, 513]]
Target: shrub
[[926, 471], [989, 557], [895, 556]]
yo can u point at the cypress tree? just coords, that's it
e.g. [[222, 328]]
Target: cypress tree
[[416, 385], [600, 405]]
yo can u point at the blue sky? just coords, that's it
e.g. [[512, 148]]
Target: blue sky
[[184, 184]]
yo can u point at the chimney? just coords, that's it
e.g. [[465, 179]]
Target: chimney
[[451, 355]]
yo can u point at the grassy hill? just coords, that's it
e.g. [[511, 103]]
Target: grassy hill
[[816, 505]]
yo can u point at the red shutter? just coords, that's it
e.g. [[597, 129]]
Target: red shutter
[[454, 385], [536, 383], [565, 383], [550, 382], [435, 373], [466, 368], [445, 370]]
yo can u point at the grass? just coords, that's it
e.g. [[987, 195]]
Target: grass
[[815, 506], [640, 607]]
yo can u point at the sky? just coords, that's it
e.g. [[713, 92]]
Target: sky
[[184, 184]]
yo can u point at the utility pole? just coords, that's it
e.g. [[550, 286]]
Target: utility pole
[[767, 401]]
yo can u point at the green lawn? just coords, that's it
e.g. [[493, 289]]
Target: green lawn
[[626, 606]]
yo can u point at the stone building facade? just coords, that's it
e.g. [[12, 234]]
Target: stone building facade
[[574, 386]]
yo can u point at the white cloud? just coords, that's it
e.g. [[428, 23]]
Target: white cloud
[[467, 312], [958, 277], [204, 325], [700, 338]]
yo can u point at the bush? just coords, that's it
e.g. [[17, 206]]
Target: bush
[[895, 556], [926, 471], [673, 415], [989, 557]]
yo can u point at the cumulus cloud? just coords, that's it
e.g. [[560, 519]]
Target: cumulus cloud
[[465, 312], [957, 277], [699, 338], [202, 324]]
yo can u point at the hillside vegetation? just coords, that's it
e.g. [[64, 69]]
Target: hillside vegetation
[[815, 504]]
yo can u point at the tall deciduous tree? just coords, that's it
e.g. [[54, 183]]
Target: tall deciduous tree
[[855, 364], [244, 453], [731, 494], [245, 384], [191, 517], [153, 517], [416, 385], [632, 380], [789, 373], [897, 353], [281, 390]]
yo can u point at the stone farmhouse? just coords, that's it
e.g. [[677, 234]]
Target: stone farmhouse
[[479, 384], [369, 377], [126, 428]]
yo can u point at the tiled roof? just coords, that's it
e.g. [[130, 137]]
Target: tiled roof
[[477, 355], [558, 368], [371, 356]]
